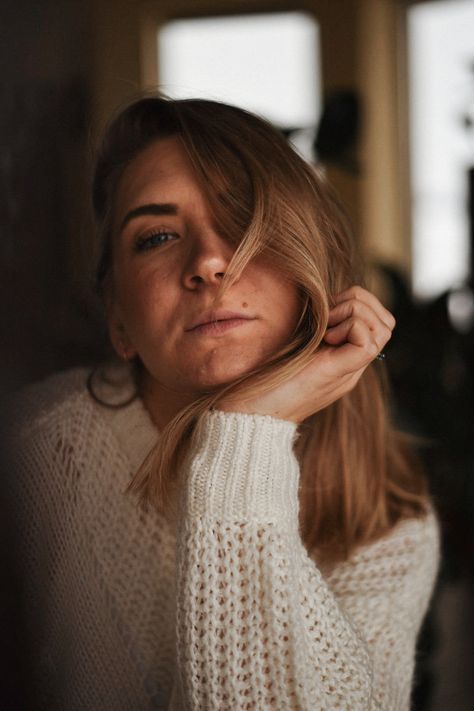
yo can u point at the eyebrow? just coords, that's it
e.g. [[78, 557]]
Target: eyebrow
[[153, 208]]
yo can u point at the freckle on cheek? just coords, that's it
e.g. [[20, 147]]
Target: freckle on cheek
[[244, 305]]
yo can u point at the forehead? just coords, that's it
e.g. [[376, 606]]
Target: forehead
[[163, 167]]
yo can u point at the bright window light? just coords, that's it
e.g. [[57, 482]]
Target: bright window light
[[267, 63], [441, 52]]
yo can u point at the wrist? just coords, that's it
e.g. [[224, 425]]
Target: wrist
[[242, 466], [246, 408]]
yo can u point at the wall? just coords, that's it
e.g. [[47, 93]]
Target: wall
[[44, 321]]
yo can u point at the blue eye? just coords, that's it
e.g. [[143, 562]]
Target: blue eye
[[154, 239]]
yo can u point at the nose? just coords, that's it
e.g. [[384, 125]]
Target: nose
[[207, 261]]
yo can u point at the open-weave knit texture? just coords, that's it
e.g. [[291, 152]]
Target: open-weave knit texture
[[217, 607]]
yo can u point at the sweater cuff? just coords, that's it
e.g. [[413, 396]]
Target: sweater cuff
[[243, 467]]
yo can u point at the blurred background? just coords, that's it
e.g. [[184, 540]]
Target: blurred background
[[378, 93]]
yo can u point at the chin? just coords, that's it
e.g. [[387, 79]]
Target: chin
[[209, 382], [221, 374]]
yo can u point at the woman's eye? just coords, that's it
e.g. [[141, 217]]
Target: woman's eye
[[152, 240]]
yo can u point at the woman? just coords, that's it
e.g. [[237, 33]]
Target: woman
[[286, 549]]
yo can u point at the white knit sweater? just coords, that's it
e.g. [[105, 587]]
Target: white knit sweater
[[220, 607]]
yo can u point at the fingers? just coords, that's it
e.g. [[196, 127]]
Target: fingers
[[364, 342], [354, 308], [360, 296], [349, 313], [360, 327], [357, 344]]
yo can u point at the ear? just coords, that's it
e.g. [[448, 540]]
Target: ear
[[120, 340]]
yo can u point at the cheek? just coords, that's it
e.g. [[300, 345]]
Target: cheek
[[283, 302], [145, 304]]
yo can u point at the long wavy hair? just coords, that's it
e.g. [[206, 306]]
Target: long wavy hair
[[359, 476]]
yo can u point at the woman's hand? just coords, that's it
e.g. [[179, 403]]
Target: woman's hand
[[358, 329]]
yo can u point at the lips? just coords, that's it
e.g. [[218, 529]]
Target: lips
[[208, 317]]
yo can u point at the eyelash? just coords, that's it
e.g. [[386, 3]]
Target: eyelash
[[144, 242]]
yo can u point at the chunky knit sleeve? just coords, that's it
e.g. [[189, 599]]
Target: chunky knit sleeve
[[258, 625]]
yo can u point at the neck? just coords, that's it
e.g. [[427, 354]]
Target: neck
[[162, 402]]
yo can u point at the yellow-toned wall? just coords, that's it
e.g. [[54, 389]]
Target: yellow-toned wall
[[384, 187], [362, 43]]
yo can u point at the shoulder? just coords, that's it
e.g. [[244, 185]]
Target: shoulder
[[410, 539], [42, 405], [53, 421], [404, 561], [47, 427], [43, 428]]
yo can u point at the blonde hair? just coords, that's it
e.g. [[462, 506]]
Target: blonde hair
[[358, 474]]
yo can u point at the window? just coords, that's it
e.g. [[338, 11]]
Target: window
[[267, 63], [441, 59]]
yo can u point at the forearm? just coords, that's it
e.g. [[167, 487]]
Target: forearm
[[257, 625]]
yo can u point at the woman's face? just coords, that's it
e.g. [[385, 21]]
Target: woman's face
[[168, 263]]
